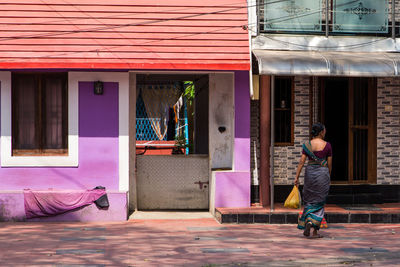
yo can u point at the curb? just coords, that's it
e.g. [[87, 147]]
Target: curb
[[291, 218]]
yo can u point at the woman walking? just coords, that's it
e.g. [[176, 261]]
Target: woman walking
[[316, 180]]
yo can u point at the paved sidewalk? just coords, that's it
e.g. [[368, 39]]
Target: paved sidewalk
[[195, 242]]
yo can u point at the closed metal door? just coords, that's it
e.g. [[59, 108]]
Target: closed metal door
[[172, 182]]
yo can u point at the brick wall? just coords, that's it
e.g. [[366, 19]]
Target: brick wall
[[388, 132], [388, 124], [287, 157]]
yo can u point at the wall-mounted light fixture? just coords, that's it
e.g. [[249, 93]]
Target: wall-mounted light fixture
[[98, 88]]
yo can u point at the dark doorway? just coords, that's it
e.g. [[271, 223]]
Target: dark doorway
[[348, 109], [335, 98]]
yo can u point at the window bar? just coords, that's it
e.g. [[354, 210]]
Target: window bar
[[272, 148], [326, 18], [186, 129], [258, 5], [393, 19]]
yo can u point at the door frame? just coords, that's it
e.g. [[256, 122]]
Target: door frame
[[372, 127], [217, 79]]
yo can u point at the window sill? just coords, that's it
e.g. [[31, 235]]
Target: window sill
[[40, 161], [284, 144], [37, 153]]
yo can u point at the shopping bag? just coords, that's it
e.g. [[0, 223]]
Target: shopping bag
[[293, 200]]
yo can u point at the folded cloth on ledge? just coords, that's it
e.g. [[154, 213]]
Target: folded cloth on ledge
[[43, 203]]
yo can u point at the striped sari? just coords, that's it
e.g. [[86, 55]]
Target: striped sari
[[315, 190]]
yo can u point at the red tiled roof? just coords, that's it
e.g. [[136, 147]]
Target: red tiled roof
[[124, 34]]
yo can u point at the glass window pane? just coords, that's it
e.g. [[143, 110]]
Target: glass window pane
[[292, 15], [53, 113], [283, 109], [366, 16], [24, 112]]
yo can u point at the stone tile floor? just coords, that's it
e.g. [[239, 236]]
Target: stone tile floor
[[195, 242]]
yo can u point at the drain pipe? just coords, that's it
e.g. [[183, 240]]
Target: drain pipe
[[272, 147]]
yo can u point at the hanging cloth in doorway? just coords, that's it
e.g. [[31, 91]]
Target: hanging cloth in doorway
[[158, 98]]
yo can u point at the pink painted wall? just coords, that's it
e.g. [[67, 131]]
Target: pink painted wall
[[98, 149], [242, 121], [12, 209], [232, 188]]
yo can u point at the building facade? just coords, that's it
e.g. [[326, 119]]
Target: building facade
[[71, 76], [333, 62]]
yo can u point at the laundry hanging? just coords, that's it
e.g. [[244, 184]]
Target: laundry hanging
[[158, 98]]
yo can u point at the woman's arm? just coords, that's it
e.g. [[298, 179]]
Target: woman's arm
[[299, 168], [330, 164]]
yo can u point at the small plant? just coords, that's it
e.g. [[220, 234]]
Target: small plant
[[180, 145]]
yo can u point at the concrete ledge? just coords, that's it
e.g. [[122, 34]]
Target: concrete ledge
[[290, 218], [387, 213], [12, 209]]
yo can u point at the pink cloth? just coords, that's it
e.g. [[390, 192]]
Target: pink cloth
[[49, 202]]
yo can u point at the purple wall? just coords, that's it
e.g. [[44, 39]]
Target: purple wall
[[232, 189], [242, 121], [116, 212], [98, 149]]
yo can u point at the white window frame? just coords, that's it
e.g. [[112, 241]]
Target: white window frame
[[7, 160], [122, 78]]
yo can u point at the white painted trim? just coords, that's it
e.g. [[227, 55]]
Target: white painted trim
[[123, 139], [233, 121], [7, 160], [132, 196], [122, 78]]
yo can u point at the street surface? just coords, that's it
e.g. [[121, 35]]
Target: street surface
[[195, 242]]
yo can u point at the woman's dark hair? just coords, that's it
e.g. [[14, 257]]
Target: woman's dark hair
[[316, 129]]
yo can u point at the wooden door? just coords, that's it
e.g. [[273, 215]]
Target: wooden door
[[362, 130]]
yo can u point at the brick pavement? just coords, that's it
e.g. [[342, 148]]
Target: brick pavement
[[195, 242]]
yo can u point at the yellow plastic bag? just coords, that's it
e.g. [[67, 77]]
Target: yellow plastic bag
[[293, 200]]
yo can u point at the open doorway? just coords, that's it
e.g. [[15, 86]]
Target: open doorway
[[172, 169], [348, 110]]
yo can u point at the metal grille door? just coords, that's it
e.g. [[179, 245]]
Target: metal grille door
[[172, 182]]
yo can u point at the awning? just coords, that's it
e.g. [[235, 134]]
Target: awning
[[314, 63]]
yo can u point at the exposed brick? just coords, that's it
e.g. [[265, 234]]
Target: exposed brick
[[388, 129]]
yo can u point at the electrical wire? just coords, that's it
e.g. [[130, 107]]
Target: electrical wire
[[119, 26], [97, 29], [105, 17], [327, 47], [140, 24]]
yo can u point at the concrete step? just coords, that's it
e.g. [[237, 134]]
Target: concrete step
[[350, 194], [379, 213], [359, 198]]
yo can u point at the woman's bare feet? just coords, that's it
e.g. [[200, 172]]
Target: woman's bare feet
[[316, 234], [307, 230]]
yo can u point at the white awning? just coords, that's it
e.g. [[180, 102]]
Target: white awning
[[315, 63]]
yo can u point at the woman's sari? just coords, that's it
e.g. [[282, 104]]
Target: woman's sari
[[315, 190]]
